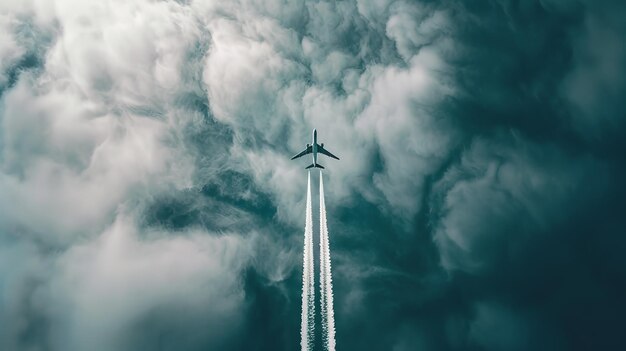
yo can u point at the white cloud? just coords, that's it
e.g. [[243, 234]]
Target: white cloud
[[94, 128], [107, 286], [86, 140], [99, 130], [257, 84]]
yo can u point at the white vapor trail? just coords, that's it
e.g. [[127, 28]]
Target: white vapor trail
[[326, 280], [307, 326]]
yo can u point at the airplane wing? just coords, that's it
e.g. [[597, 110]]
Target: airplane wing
[[321, 150], [308, 150]]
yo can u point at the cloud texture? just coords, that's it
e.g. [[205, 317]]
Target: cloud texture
[[147, 200]]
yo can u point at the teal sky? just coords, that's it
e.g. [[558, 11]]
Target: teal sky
[[147, 199]]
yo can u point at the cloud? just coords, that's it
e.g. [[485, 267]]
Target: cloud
[[89, 134], [117, 282], [77, 137], [144, 151], [593, 86], [496, 328], [61, 158], [257, 75], [105, 292], [501, 192]]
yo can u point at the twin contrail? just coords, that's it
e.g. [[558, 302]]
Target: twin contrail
[[308, 281]]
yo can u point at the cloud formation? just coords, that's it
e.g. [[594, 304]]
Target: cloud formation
[[147, 200]]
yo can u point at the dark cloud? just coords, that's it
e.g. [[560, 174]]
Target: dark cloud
[[147, 200]]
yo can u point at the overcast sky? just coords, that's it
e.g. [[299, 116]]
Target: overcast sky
[[147, 199]]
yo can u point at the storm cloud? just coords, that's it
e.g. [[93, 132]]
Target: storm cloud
[[147, 200]]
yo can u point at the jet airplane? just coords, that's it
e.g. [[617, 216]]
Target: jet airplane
[[313, 149]]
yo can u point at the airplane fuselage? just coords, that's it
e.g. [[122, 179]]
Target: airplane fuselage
[[314, 147]]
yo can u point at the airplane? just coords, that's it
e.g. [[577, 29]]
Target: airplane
[[314, 148]]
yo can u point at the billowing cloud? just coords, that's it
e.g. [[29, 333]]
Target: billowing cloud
[[99, 294], [147, 199]]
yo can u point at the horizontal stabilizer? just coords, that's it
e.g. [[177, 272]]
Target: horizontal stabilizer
[[316, 165]]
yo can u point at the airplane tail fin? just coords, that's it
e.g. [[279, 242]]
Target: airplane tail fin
[[316, 165]]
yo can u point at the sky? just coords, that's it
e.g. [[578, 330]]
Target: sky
[[147, 199]]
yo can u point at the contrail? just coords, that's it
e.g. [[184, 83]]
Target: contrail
[[326, 280], [323, 299], [307, 326]]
